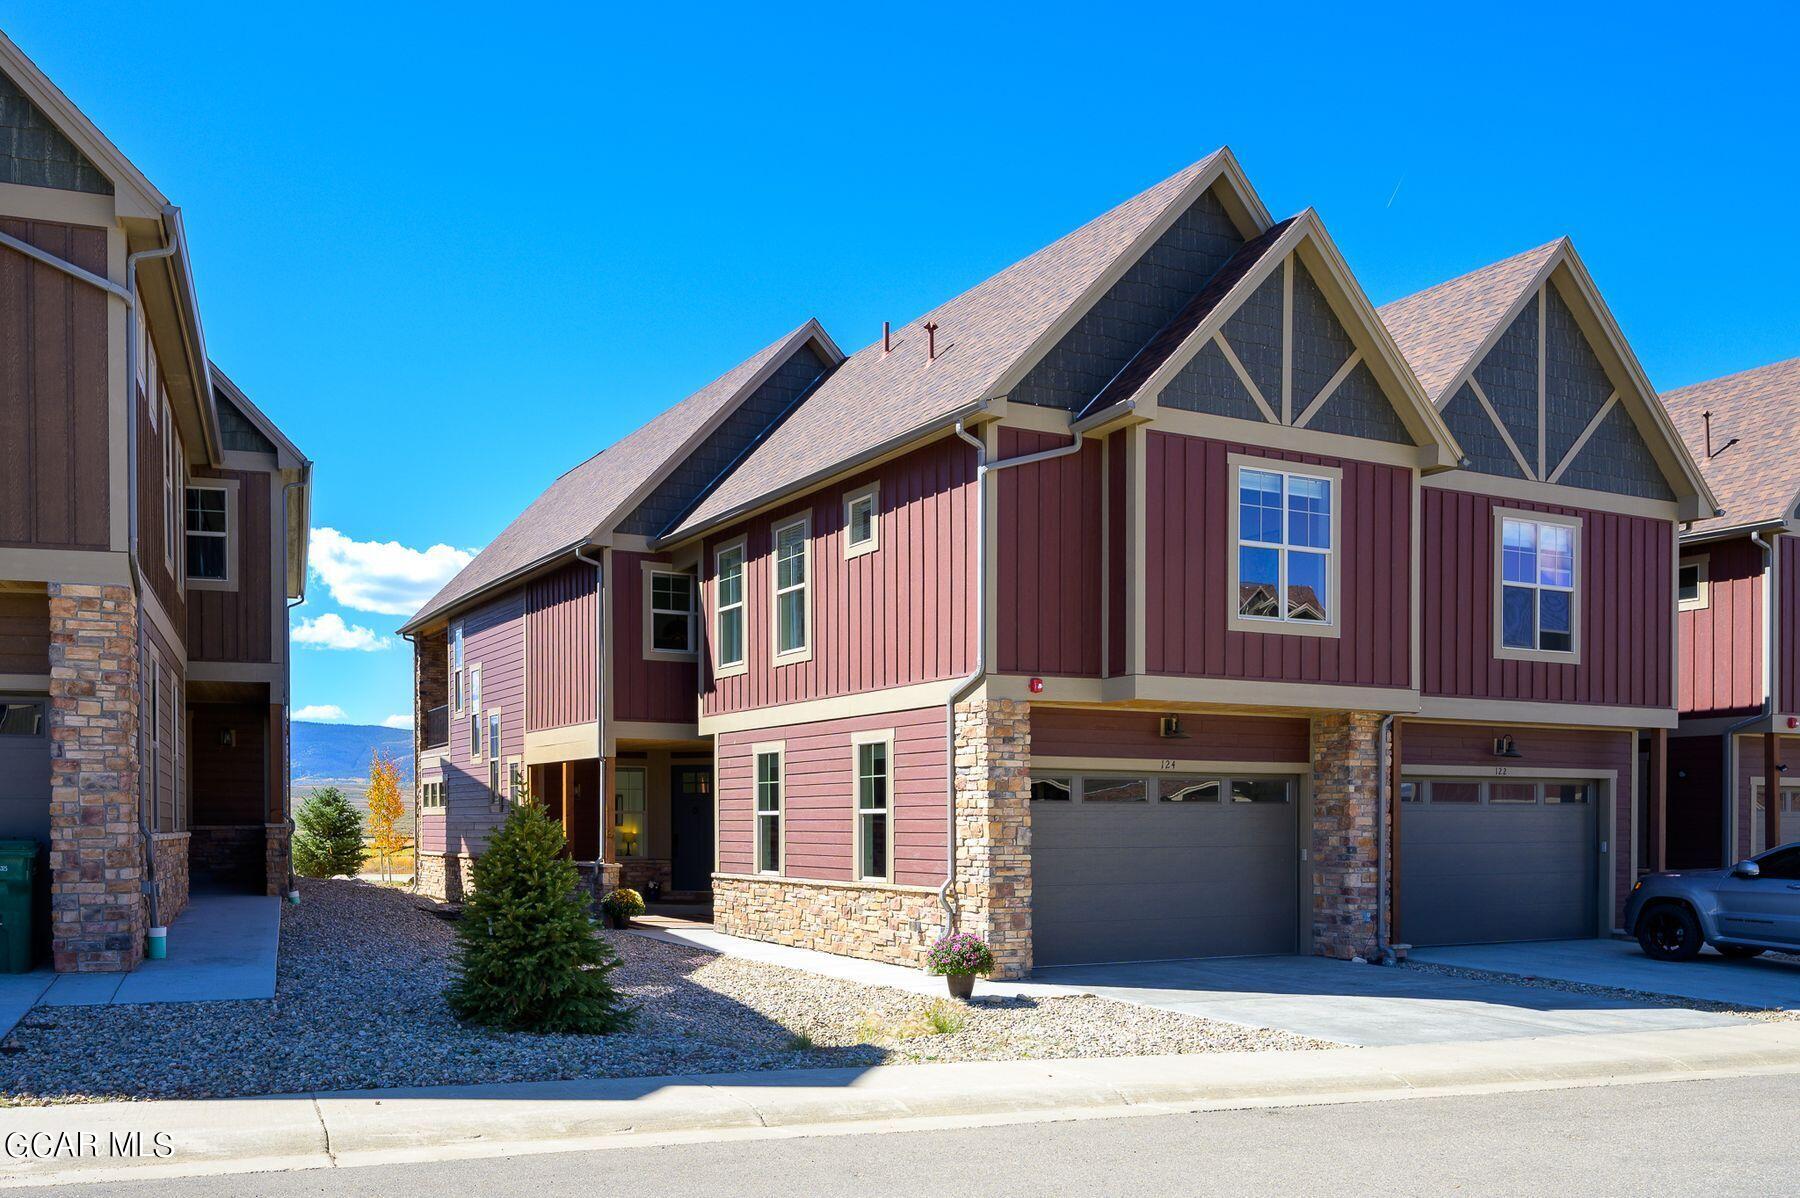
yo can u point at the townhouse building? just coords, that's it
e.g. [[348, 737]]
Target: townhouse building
[[152, 529], [1156, 597], [1738, 614]]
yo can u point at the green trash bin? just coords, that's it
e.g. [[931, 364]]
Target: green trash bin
[[18, 867]]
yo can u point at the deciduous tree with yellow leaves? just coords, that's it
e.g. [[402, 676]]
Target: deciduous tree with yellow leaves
[[386, 807]]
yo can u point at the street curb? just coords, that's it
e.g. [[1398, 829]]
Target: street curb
[[398, 1126]]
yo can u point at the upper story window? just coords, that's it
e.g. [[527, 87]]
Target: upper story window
[[171, 480], [456, 667], [1286, 568], [493, 756], [793, 569], [862, 521], [729, 600], [1693, 584], [475, 712], [209, 534], [1538, 606], [670, 608], [768, 808]]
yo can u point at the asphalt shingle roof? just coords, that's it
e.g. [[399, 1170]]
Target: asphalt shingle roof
[[581, 500], [1757, 480], [1440, 328], [876, 399]]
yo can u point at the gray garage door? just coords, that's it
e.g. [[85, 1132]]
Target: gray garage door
[[1143, 868], [24, 768], [1492, 861]]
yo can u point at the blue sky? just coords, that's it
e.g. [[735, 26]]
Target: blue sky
[[454, 249]]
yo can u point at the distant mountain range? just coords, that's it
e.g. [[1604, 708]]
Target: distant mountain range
[[344, 750]]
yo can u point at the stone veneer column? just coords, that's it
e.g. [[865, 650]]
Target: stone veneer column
[[992, 777], [96, 850], [278, 858], [1345, 872]]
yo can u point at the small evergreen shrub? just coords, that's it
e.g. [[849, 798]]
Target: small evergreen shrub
[[527, 955], [328, 836]]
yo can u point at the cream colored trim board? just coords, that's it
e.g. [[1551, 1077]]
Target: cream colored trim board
[[53, 204], [825, 883], [1167, 765], [576, 742], [88, 567], [1287, 339], [17, 683], [1330, 388], [1276, 436], [811, 711], [1593, 425], [1243, 376], [1551, 715], [1493, 416], [1493, 485], [1147, 690], [150, 606], [634, 730]]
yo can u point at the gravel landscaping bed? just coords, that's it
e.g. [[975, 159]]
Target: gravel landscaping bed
[[1758, 1014], [359, 1004]]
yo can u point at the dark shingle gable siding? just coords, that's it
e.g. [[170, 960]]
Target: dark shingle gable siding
[[1575, 384], [1616, 459], [1152, 291], [1254, 333], [1209, 384], [236, 431], [1479, 438], [1509, 377], [690, 478], [33, 152], [1359, 408]]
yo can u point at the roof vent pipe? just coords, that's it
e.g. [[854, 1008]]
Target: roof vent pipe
[[1711, 453], [931, 341], [887, 337]]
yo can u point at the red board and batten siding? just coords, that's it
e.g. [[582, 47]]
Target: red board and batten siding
[[1627, 618], [1188, 502], [1049, 569], [1583, 753], [1079, 732], [1116, 559], [901, 615], [1721, 643], [1787, 670], [819, 804], [560, 635], [494, 639], [656, 690]]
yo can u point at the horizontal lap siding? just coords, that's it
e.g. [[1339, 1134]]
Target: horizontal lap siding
[[1627, 619], [1187, 550], [1582, 752], [561, 635], [1721, 643], [54, 466], [1074, 732], [903, 614], [819, 803], [1049, 568], [494, 639], [235, 625], [643, 688]]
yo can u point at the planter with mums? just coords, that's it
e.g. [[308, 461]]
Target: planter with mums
[[621, 906]]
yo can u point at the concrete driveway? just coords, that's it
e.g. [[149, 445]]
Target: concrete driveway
[[1772, 983], [1364, 1004]]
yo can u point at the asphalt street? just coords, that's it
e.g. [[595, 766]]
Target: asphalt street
[[1714, 1138]]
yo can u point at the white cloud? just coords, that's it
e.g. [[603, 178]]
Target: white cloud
[[330, 632], [322, 713], [397, 721], [382, 576]]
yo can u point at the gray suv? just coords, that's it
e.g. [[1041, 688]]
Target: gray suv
[[1751, 908]]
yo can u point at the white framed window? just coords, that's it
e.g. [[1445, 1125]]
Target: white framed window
[[630, 811], [1693, 584], [770, 781], [495, 777], [170, 474], [515, 780], [431, 796], [862, 520], [791, 578], [1537, 601], [211, 529], [456, 667], [668, 612], [728, 602], [474, 708], [874, 761], [1284, 565]]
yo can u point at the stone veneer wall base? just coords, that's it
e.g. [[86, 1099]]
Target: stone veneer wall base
[[170, 861], [894, 924]]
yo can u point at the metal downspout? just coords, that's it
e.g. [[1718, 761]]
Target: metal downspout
[[968, 683], [1384, 797], [602, 653], [1729, 754]]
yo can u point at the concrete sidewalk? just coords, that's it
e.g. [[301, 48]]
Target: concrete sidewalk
[[397, 1126]]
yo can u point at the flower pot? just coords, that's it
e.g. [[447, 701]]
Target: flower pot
[[616, 921], [962, 985]]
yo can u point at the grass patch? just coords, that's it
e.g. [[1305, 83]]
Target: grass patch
[[940, 1018]]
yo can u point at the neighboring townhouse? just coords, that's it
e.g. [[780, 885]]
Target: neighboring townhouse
[[1739, 619], [563, 657], [152, 530], [1082, 612], [1547, 568]]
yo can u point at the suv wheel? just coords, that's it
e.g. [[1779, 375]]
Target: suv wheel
[[1669, 932], [1739, 952]]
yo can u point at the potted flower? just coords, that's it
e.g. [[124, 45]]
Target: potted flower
[[620, 906], [958, 958]]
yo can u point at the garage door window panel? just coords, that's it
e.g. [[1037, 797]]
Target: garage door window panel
[[1260, 790], [21, 719], [1052, 790], [1113, 790], [1512, 794], [1189, 790]]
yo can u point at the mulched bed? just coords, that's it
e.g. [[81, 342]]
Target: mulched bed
[[359, 1003]]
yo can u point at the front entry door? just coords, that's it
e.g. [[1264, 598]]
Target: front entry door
[[691, 827]]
